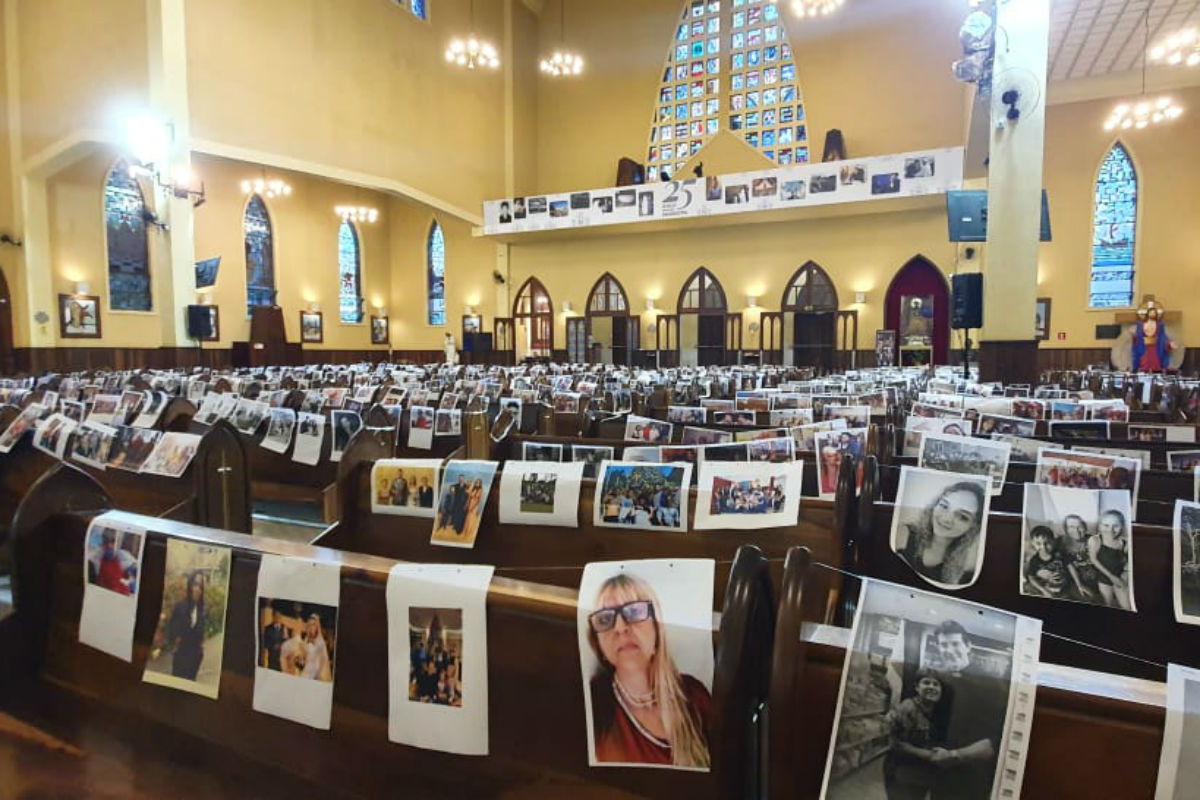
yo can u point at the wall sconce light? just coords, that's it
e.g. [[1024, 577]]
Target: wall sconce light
[[751, 301], [204, 298], [469, 310], [186, 185], [649, 304], [380, 311], [566, 307], [314, 307], [83, 287], [860, 297]]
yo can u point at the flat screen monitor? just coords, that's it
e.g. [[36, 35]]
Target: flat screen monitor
[[206, 272], [966, 213]]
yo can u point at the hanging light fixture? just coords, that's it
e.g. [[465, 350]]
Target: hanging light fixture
[[562, 62], [1179, 49], [1144, 111], [473, 52], [357, 213], [815, 8], [270, 189]]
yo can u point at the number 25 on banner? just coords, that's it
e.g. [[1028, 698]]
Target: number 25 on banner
[[679, 197]]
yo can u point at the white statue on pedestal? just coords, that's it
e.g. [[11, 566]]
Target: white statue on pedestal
[[451, 350]]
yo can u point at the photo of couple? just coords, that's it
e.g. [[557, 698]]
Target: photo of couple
[[464, 492], [297, 638]]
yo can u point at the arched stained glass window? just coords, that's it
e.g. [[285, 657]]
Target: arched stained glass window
[[607, 296], [128, 251], [729, 59], [1114, 231], [260, 255], [350, 301], [435, 275], [702, 293], [810, 289]]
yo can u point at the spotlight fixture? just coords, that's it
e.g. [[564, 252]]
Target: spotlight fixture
[[1179, 49], [815, 8], [1142, 114], [270, 189], [563, 62], [357, 213], [472, 52]]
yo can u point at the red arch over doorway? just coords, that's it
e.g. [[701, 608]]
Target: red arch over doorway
[[920, 277]]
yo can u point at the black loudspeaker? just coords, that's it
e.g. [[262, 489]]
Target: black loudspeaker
[[1108, 331], [967, 311], [199, 322]]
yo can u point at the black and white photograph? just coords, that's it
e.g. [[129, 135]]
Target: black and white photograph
[[934, 690], [966, 454], [1021, 448], [650, 454], [281, 423], [737, 194], [536, 205], [819, 184], [642, 496], [1186, 563], [1077, 544], [748, 496], [540, 494], [310, 438], [1179, 761], [541, 451], [249, 415], [939, 525], [919, 167], [793, 190], [344, 425], [590, 456]]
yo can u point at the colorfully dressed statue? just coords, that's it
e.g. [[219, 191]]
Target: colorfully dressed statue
[[1146, 346]]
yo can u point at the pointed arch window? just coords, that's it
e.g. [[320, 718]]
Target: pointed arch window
[[260, 255], [128, 250], [701, 294], [1114, 231], [435, 275], [350, 301], [810, 289], [607, 297]]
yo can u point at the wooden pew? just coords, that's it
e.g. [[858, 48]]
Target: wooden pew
[[1080, 722], [536, 717], [1150, 633]]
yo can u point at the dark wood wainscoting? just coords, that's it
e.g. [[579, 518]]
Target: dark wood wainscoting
[[38, 360]]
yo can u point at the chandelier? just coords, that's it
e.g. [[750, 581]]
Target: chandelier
[[1142, 114], [473, 52], [563, 62], [357, 213], [268, 188], [1178, 48], [815, 8]]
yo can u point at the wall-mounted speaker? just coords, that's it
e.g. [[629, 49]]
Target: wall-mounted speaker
[[199, 322]]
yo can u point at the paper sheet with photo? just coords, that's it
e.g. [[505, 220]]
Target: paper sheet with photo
[[112, 578], [1179, 761], [281, 424], [966, 454], [172, 454], [420, 427], [437, 616], [304, 695], [631, 616], [540, 493], [918, 655], [462, 498], [91, 444], [1087, 470], [152, 408], [189, 641], [310, 438], [939, 525], [915, 427], [748, 496], [635, 496], [1186, 562], [405, 487], [52, 434], [1077, 545], [22, 423]]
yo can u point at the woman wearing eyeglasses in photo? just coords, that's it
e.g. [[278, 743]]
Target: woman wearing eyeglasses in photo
[[643, 710]]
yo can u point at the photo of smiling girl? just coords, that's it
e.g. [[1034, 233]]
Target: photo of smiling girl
[[940, 525]]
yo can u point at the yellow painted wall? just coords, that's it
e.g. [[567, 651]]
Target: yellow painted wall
[[306, 233], [1168, 246]]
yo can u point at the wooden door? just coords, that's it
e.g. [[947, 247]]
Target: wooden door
[[505, 341], [770, 337], [814, 340], [620, 340], [577, 349], [732, 339], [666, 340]]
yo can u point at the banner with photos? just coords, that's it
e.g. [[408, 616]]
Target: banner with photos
[[885, 177]]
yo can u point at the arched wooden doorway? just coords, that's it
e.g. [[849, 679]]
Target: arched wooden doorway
[[610, 328], [810, 309], [916, 286], [7, 367], [533, 319], [702, 312]]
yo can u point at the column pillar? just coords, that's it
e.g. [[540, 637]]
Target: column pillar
[[1008, 350]]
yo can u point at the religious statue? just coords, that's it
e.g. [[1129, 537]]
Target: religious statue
[[916, 320], [1146, 346], [451, 349]]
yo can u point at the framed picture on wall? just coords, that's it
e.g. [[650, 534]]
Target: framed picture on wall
[[471, 323], [312, 327], [79, 316], [379, 330], [1042, 318], [214, 313]]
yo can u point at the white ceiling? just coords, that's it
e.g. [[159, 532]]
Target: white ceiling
[[1091, 38]]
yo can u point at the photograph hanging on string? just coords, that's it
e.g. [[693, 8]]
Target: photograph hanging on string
[[939, 525], [540, 493], [642, 496], [1179, 759], [1186, 562], [748, 496], [462, 498], [404, 487], [966, 454]]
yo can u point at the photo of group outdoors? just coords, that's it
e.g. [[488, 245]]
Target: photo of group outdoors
[[465, 487], [1077, 545], [591, 456], [933, 685], [966, 455], [1187, 562], [435, 643], [297, 638], [112, 559], [646, 496], [776, 450], [189, 640], [405, 487], [748, 496], [642, 429], [539, 451], [832, 447], [686, 415], [1080, 470], [646, 656], [537, 493], [939, 526]]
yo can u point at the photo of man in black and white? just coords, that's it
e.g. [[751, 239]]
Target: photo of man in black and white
[[923, 712]]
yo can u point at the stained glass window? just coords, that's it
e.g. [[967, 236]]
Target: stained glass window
[[350, 302], [702, 292], [128, 251], [419, 8], [746, 43], [260, 255], [435, 275], [1114, 231], [607, 295]]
